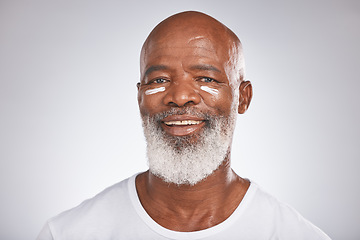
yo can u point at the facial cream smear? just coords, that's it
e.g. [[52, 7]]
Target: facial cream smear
[[155, 90], [210, 90]]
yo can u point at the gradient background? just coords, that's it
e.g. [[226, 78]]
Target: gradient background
[[70, 127]]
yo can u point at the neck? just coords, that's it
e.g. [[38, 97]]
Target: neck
[[191, 208]]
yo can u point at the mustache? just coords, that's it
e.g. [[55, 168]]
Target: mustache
[[182, 111]]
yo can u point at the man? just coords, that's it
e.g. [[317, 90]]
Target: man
[[191, 88]]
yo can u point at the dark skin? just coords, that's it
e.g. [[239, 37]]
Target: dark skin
[[184, 55]]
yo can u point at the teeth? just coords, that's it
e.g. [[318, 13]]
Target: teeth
[[183, 123]]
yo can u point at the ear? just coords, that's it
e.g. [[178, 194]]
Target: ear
[[138, 92], [245, 95]]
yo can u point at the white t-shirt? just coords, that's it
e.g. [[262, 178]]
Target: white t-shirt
[[116, 213]]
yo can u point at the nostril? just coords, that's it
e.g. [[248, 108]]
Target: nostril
[[173, 104], [189, 103]]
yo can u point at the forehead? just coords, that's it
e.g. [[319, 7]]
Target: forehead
[[185, 48]]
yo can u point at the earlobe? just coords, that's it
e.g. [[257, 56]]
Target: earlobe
[[138, 86], [245, 96]]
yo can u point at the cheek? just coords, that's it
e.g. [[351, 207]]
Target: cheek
[[149, 101], [220, 99]]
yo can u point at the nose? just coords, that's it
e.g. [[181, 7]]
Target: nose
[[181, 95]]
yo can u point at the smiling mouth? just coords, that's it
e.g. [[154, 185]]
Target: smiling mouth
[[182, 123]]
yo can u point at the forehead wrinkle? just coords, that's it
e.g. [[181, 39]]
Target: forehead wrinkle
[[152, 50], [160, 59]]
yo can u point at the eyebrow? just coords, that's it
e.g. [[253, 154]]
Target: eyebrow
[[154, 68], [205, 67]]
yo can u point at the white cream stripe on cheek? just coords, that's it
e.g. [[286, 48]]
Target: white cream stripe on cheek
[[155, 90], [210, 90]]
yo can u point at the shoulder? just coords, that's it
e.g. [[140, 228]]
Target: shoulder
[[110, 204], [280, 218]]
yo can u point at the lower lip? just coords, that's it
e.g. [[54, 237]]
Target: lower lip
[[176, 130]]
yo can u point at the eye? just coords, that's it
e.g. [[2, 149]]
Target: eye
[[207, 79], [159, 80]]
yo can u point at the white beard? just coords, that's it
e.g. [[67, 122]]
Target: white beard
[[182, 161]]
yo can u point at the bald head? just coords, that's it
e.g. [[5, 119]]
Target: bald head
[[192, 24], [195, 28]]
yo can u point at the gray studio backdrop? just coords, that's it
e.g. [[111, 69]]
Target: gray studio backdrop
[[69, 122]]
